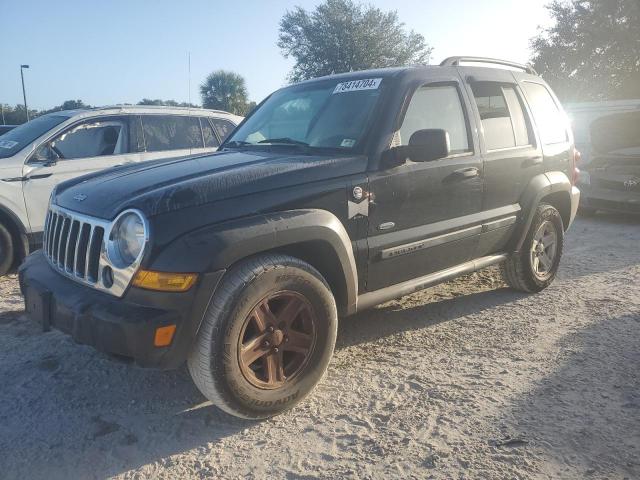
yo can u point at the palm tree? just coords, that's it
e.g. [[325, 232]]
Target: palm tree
[[224, 90]]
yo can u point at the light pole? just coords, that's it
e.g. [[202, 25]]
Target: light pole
[[24, 94]]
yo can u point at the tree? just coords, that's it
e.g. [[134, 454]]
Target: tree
[[66, 105], [592, 52], [223, 90], [168, 103], [343, 36]]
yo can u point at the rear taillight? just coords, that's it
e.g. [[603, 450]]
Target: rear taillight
[[575, 171]]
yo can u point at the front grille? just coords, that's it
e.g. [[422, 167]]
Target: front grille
[[73, 243]]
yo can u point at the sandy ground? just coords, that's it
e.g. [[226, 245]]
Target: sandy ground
[[466, 380]]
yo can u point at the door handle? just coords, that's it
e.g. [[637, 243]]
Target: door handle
[[463, 174], [38, 177], [531, 162]]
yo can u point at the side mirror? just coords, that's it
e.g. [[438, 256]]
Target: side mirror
[[424, 146]]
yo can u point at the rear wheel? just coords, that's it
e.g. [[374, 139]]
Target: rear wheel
[[534, 268], [7, 250], [266, 338]]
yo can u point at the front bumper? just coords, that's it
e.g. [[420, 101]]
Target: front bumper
[[122, 326], [610, 200]]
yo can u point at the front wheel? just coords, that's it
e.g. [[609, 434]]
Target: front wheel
[[6, 250], [534, 268], [266, 338]]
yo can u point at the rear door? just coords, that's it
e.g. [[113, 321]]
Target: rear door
[[167, 136], [85, 147], [509, 149], [422, 216]]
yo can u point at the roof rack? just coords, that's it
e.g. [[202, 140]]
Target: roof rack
[[455, 61], [155, 107]]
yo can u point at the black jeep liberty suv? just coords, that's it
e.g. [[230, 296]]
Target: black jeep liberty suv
[[334, 195]]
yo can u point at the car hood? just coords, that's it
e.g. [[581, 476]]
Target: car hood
[[172, 184]]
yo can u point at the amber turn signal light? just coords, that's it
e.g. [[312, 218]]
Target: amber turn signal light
[[164, 336], [163, 281]]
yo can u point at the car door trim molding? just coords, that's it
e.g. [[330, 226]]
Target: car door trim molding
[[460, 234], [467, 226]]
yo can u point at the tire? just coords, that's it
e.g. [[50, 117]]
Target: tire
[[521, 271], [7, 250], [247, 317]]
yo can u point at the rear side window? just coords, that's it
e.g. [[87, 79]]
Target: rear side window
[[223, 128], [210, 139], [439, 107], [165, 132], [94, 138], [549, 119], [503, 120]]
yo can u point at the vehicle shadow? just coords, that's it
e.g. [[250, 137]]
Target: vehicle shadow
[[68, 411], [428, 311], [74, 407], [583, 420]]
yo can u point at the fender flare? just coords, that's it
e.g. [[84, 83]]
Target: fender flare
[[539, 187], [217, 247]]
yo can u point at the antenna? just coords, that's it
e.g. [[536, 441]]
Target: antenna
[[189, 77]]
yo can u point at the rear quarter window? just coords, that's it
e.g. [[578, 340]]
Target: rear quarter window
[[549, 119], [171, 132]]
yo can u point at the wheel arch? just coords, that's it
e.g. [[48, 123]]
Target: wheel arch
[[312, 235], [553, 188]]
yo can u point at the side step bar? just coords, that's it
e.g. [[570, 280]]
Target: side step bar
[[371, 299]]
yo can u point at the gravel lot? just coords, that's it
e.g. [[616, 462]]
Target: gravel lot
[[466, 380]]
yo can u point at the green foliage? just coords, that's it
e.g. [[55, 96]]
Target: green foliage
[[343, 36], [224, 90], [167, 103], [592, 52]]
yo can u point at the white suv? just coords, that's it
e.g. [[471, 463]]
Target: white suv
[[38, 155]]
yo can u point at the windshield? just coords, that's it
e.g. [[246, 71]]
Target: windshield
[[329, 115], [15, 140]]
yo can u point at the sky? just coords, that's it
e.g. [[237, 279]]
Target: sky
[[120, 51]]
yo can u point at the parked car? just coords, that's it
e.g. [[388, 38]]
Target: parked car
[[583, 114], [39, 154], [334, 195], [611, 181], [5, 128]]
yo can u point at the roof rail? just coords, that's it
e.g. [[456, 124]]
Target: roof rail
[[455, 61]]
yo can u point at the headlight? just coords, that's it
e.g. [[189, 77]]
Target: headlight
[[127, 239]]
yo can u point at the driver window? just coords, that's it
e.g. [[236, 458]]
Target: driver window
[[436, 106], [95, 138]]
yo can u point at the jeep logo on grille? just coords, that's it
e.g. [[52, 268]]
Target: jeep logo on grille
[[81, 197], [632, 183]]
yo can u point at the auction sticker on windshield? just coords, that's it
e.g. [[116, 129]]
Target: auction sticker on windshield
[[356, 85], [7, 143]]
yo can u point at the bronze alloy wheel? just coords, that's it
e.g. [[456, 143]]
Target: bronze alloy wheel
[[277, 339]]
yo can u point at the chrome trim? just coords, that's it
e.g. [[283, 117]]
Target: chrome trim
[[371, 299], [96, 258]]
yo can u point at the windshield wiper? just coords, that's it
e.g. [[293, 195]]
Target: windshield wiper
[[237, 143], [284, 141]]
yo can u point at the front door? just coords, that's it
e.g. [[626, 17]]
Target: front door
[[83, 148], [423, 217]]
